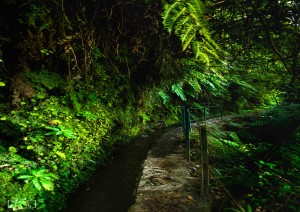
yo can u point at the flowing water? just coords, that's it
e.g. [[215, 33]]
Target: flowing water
[[112, 188]]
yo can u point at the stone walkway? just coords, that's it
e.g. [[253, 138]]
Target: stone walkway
[[167, 184]]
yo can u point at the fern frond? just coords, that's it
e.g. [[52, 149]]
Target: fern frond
[[196, 46], [178, 90], [182, 22], [192, 8], [177, 17], [197, 74], [208, 39], [195, 6], [190, 93], [165, 97], [195, 84], [198, 106], [210, 81], [188, 37], [200, 55], [167, 16], [246, 85], [170, 21], [204, 58], [218, 75], [210, 51], [209, 84], [186, 19]]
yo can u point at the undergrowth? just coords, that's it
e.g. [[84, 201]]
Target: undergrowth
[[261, 175], [51, 144]]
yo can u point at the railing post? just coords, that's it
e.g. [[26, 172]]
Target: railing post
[[188, 129], [183, 122], [205, 171]]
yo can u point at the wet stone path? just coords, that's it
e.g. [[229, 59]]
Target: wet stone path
[[166, 183]]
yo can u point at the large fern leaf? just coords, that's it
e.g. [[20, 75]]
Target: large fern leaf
[[165, 97], [178, 90], [188, 36], [186, 20], [195, 84], [168, 10]]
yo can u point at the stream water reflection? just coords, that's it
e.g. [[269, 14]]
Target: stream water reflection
[[112, 188]]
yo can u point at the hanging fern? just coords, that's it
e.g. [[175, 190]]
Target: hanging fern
[[178, 90], [185, 18], [211, 82], [195, 84], [165, 97]]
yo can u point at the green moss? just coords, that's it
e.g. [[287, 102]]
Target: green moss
[[68, 141], [46, 79]]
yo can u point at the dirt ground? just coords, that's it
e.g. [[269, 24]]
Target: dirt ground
[[167, 182]]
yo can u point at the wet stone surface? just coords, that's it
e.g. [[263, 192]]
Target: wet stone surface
[[166, 183]]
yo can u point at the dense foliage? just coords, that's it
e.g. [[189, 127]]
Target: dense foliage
[[76, 83], [257, 159], [262, 39], [80, 78]]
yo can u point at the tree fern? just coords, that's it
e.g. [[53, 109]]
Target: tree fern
[[186, 20]]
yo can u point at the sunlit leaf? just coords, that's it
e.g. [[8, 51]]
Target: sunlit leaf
[[36, 183], [23, 177], [48, 185], [12, 149], [30, 147], [61, 154]]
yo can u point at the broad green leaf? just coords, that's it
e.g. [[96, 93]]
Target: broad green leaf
[[40, 172], [50, 133], [271, 165], [59, 133], [53, 176], [47, 177], [36, 183], [12, 149], [40, 96], [23, 177], [61, 154], [54, 122], [52, 128], [48, 185], [69, 135], [2, 84], [23, 125], [30, 147]]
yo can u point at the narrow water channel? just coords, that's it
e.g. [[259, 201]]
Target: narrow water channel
[[112, 188]]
